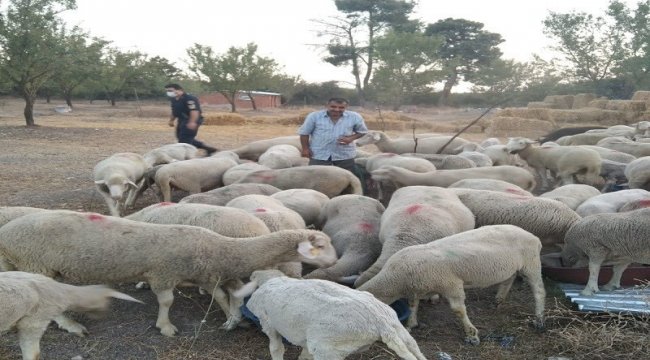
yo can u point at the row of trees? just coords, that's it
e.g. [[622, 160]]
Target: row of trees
[[394, 59]]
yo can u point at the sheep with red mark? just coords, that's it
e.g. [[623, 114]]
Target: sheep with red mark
[[352, 222], [572, 195], [306, 202], [223, 195], [270, 211], [104, 249], [490, 184], [635, 205], [610, 202], [282, 156], [8, 213], [118, 179], [235, 173]]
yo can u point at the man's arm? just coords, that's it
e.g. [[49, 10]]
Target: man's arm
[[193, 121], [304, 142]]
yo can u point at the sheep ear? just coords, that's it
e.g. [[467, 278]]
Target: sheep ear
[[245, 290], [122, 296], [129, 182], [100, 182], [529, 141], [307, 250]]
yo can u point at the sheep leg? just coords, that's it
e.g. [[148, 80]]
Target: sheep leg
[[305, 355], [234, 311], [541, 172], [70, 325], [504, 289], [615, 281], [456, 300], [276, 347], [165, 190], [112, 204], [536, 284], [414, 303], [594, 270], [219, 296], [134, 193], [29, 338], [165, 300], [566, 178]]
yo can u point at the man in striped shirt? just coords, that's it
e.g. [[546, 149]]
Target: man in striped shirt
[[327, 136]]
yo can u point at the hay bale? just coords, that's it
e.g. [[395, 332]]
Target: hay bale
[[221, 119], [560, 101], [599, 103], [636, 106], [641, 96], [539, 105], [582, 100], [588, 116], [539, 114], [386, 125], [504, 126]]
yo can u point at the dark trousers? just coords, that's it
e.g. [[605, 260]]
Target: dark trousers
[[347, 164], [187, 136]]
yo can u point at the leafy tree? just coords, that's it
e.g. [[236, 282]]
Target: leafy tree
[[407, 65], [30, 50], [121, 72], [635, 27], [153, 75], [353, 37], [239, 69], [466, 48]]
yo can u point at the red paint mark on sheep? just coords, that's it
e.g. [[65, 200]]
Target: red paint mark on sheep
[[260, 210], [515, 191], [412, 209], [165, 203], [95, 217], [644, 203], [366, 227]]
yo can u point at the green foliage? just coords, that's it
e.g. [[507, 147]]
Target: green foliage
[[319, 93]]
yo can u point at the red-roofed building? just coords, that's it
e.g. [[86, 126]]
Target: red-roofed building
[[243, 99]]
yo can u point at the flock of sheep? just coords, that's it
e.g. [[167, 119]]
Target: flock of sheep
[[450, 214]]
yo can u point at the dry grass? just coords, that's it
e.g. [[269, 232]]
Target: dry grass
[[502, 126], [641, 96]]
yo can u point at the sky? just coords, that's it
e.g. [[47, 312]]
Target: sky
[[284, 30]]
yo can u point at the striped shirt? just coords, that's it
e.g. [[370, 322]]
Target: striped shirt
[[324, 133]]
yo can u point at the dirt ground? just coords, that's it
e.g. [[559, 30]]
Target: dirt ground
[[50, 166]]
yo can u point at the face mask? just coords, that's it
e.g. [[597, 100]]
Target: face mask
[[171, 93]]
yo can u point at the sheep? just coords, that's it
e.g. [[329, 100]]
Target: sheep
[[281, 156], [306, 202], [328, 320], [500, 155], [620, 238], [170, 153], [444, 161], [610, 202], [8, 213], [609, 154], [547, 219], [222, 195], [352, 222], [429, 145], [482, 257], [563, 162], [474, 152], [443, 178], [642, 128], [572, 195], [638, 173], [235, 173], [489, 142], [616, 130], [253, 150], [418, 215], [490, 184], [556, 134], [635, 205], [330, 180], [31, 301], [626, 146], [194, 175], [613, 173], [271, 211], [586, 138], [114, 250], [119, 174]]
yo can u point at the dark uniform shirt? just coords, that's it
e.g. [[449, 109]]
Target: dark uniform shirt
[[181, 107]]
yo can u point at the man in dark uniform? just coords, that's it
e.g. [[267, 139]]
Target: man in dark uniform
[[186, 111]]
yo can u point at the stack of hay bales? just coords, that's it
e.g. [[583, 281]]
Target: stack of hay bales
[[599, 103], [645, 97], [223, 119], [510, 126], [582, 100]]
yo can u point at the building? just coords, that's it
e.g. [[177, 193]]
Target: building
[[243, 100]]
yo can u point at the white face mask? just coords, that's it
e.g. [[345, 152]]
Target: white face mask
[[171, 93]]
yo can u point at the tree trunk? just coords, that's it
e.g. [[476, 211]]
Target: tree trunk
[[446, 91], [250, 95], [29, 110], [112, 100], [67, 95], [48, 98]]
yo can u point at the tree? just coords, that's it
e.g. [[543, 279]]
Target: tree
[[120, 72], [239, 69], [635, 26], [30, 46], [407, 61], [465, 49], [153, 75], [353, 37]]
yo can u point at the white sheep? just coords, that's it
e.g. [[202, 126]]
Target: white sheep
[[329, 180], [638, 173], [610, 202], [253, 150], [271, 211], [8, 213], [547, 219], [618, 238], [352, 222], [443, 178], [223, 195], [281, 156], [609, 154], [329, 321], [563, 161], [306, 202], [235, 173], [418, 215], [428, 145], [483, 257], [31, 301], [444, 161], [625, 145], [113, 250], [635, 205], [170, 153], [500, 155], [572, 195], [194, 175], [490, 184], [489, 142], [119, 175], [474, 152]]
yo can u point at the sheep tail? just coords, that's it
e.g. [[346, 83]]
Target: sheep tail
[[355, 185], [402, 343]]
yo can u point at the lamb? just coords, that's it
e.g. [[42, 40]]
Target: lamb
[[572, 195], [223, 195], [626, 146], [352, 222], [444, 161], [306, 202], [281, 156], [490, 184], [500, 155], [563, 162], [556, 134], [609, 154], [586, 138], [113, 250], [170, 153], [480, 258], [194, 175], [610, 202], [8, 213], [271, 211], [119, 174], [443, 178], [489, 142], [474, 152], [330, 180], [429, 145], [547, 219], [638, 173], [360, 319], [31, 301], [418, 215], [235, 173], [253, 150], [620, 238], [635, 205]]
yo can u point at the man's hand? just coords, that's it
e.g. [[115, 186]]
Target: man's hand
[[345, 140], [192, 125], [305, 152], [171, 122]]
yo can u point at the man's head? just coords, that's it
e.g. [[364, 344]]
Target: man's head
[[174, 90], [336, 107]]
